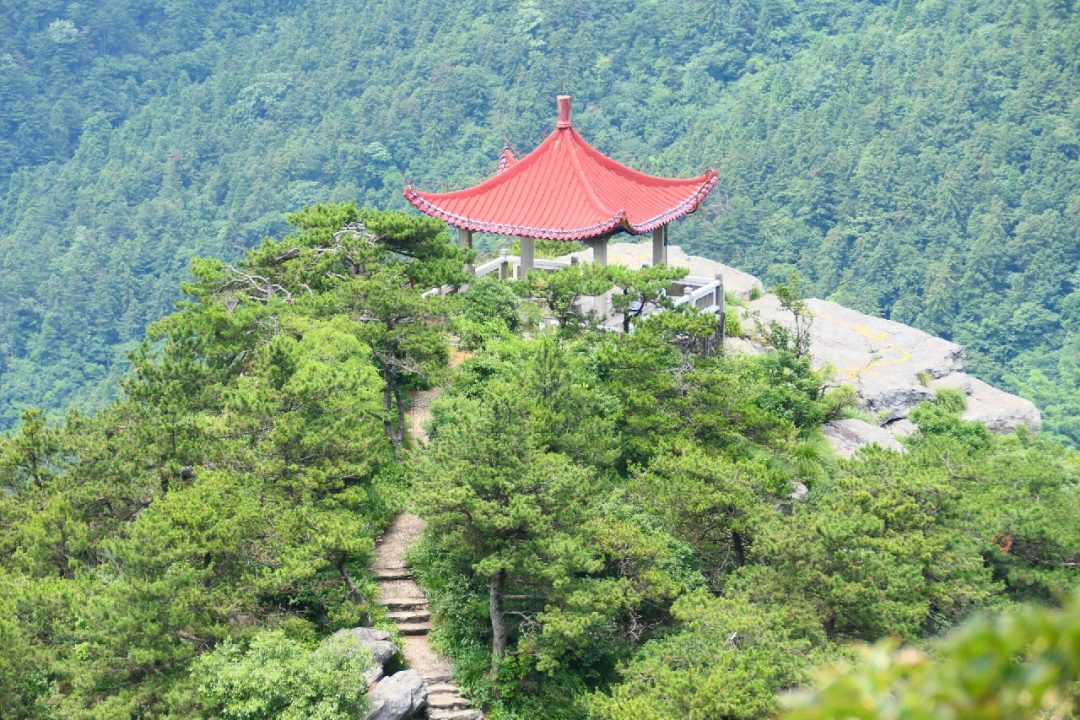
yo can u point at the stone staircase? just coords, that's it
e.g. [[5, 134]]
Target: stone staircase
[[408, 607]]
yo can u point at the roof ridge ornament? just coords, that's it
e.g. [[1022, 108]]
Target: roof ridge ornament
[[564, 110]]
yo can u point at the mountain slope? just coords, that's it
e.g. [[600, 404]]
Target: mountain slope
[[915, 160]]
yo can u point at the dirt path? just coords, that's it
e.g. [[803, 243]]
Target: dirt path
[[420, 410], [408, 606]]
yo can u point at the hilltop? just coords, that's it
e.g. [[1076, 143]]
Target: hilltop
[[614, 524], [892, 367], [915, 161]]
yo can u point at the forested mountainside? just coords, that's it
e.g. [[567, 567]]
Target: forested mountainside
[[619, 525], [916, 160]]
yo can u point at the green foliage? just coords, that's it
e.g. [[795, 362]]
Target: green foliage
[[877, 554], [796, 338], [612, 527], [673, 576], [1022, 664], [490, 312], [839, 401], [561, 293], [913, 160], [279, 679], [238, 488], [642, 290], [729, 658]]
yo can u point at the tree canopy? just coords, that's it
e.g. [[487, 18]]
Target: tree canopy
[[914, 160]]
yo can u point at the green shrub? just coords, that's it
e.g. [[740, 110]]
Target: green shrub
[[277, 678], [490, 311]]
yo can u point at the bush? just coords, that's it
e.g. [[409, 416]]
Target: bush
[[1018, 665], [278, 678], [491, 311]]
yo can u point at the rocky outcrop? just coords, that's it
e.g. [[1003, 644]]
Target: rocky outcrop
[[999, 410], [848, 435], [394, 697], [398, 696], [892, 366], [378, 645], [888, 363]]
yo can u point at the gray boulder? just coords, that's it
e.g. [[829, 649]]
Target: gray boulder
[[398, 696], [997, 409], [887, 362], [377, 643], [848, 435], [798, 492]]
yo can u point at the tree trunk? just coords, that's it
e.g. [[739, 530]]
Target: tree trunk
[[400, 412], [498, 622], [365, 618], [740, 551], [390, 390], [625, 315]]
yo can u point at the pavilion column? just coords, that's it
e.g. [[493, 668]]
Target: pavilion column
[[599, 257], [464, 241], [599, 250], [504, 264], [528, 252], [659, 245]]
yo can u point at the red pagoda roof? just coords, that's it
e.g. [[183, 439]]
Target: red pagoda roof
[[566, 189]]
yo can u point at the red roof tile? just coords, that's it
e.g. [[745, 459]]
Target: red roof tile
[[566, 189]]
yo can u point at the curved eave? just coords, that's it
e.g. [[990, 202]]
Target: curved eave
[[429, 208], [684, 208], [617, 221]]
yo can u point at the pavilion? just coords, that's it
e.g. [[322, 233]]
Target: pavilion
[[566, 189]]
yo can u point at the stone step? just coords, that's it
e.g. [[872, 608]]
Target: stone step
[[439, 677], [447, 701], [396, 573], [410, 616], [414, 628], [442, 687], [405, 603], [440, 714]]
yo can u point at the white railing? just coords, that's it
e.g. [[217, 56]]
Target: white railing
[[703, 293], [703, 297]]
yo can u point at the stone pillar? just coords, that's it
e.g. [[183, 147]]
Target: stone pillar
[[599, 256], [659, 245], [504, 264], [528, 252], [464, 241], [721, 303], [599, 250]]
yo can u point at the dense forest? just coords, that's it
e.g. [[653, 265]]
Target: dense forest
[[916, 160], [612, 529]]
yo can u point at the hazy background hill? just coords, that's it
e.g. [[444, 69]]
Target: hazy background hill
[[917, 160]]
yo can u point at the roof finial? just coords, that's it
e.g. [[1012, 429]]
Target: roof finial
[[564, 110]]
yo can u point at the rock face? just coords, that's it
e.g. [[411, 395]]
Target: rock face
[[892, 366], [377, 642], [401, 695], [1000, 411], [885, 361], [848, 435]]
